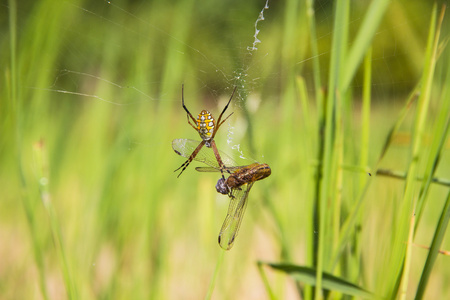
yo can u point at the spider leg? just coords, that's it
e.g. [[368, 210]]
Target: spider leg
[[226, 106], [189, 121], [185, 108], [219, 160], [218, 124], [191, 158]]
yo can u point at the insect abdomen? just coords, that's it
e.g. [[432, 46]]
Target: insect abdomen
[[251, 173]]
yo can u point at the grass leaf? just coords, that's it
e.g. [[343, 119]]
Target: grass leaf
[[329, 282]]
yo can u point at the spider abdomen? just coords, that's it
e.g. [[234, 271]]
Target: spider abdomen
[[205, 125]]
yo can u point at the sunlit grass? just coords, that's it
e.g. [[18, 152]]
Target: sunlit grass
[[91, 207]]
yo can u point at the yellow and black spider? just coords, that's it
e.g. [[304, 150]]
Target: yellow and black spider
[[207, 127]]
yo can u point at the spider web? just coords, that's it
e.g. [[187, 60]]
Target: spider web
[[213, 63], [197, 51]]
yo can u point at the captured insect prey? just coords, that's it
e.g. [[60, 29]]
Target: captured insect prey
[[237, 186], [241, 176], [205, 125]]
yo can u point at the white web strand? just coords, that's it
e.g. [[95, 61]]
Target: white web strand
[[256, 41], [241, 74], [66, 72], [238, 149], [230, 134]]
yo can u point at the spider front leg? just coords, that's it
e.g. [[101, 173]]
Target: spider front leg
[[189, 121], [226, 106], [191, 158], [219, 120], [187, 111]]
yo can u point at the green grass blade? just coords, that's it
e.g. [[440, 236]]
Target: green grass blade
[[314, 51], [329, 157], [434, 250], [440, 132], [352, 217], [374, 15], [212, 284], [319, 97], [365, 123], [265, 281], [408, 256], [416, 151], [43, 175], [329, 282], [15, 106], [403, 175]]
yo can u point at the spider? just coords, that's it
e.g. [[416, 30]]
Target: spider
[[206, 127]]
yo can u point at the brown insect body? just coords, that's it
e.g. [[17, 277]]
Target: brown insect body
[[243, 175]]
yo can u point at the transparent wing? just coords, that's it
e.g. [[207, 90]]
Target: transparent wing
[[185, 147], [233, 220], [211, 169]]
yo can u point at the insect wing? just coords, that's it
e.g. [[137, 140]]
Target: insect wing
[[233, 220], [185, 147], [211, 169], [235, 168]]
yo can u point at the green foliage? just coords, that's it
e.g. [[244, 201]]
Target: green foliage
[[330, 282], [339, 98]]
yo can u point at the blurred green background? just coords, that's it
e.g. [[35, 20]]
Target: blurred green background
[[91, 100]]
